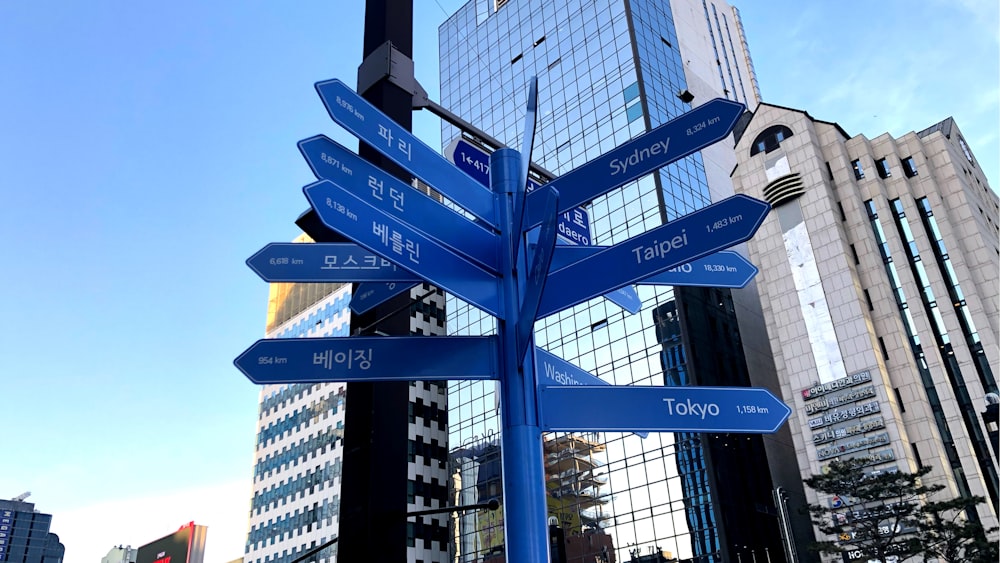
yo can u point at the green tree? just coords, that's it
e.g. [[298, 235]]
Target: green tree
[[889, 513], [949, 537]]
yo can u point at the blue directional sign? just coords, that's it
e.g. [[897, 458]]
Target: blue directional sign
[[625, 297], [331, 161], [404, 245], [367, 296], [369, 358], [725, 268], [718, 226], [366, 122], [538, 273], [324, 262], [553, 370], [672, 141], [660, 409]]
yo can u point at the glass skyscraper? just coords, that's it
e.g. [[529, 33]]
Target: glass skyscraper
[[25, 535], [609, 70]]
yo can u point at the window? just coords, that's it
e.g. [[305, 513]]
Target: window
[[885, 352], [883, 168], [868, 299], [770, 139], [829, 170], [909, 167], [859, 172], [854, 253], [965, 149], [840, 207]]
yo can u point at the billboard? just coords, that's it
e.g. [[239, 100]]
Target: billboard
[[186, 545]]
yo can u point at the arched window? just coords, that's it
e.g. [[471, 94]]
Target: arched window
[[770, 139]]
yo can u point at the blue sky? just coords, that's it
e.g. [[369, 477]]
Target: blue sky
[[147, 150]]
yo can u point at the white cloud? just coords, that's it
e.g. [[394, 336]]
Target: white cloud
[[89, 532]]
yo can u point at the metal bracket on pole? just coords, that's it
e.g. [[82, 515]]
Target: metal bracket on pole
[[389, 62]]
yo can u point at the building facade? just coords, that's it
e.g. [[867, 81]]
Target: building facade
[[878, 278], [300, 437], [25, 535], [610, 70]]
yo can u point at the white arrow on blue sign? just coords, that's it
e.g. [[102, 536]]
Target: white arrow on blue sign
[[725, 268], [324, 262], [718, 226], [660, 409], [370, 358], [331, 161], [672, 141], [367, 123], [404, 245]]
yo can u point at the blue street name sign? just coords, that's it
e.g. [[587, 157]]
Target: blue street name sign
[[670, 142], [367, 123], [331, 161], [367, 296], [404, 245], [538, 273], [660, 409], [553, 370], [370, 358], [718, 226], [574, 224], [324, 262], [725, 268]]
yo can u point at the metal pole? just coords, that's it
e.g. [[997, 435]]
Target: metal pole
[[525, 510], [375, 428]]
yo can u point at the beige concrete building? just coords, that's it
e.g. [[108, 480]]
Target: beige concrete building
[[878, 279]]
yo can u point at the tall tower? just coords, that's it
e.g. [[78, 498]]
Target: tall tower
[[609, 70], [25, 535], [300, 436], [878, 277]]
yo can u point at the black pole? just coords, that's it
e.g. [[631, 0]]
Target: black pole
[[374, 480]]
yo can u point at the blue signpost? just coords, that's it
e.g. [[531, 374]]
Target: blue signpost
[[514, 281], [369, 358], [330, 161], [725, 268], [718, 226], [372, 126], [324, 262], [408, 247], [661, 409]]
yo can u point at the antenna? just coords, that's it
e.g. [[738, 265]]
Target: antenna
[[22, 496]]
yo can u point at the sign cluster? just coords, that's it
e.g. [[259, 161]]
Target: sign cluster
[[502, 264]]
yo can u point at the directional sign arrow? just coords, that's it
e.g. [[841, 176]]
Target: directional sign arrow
[[718, 226], [553, 370], [725, 268], [367, 296], [331, 161], [367, 123], [404, 245], [324, 262], [538, 273], [370, 358], [670, 142], [660, 409]]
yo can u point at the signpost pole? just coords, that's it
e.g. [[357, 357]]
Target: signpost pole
[[375, 436], [525, 511]]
